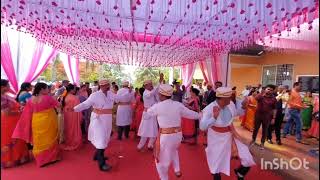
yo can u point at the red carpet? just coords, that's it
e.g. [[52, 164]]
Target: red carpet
[[78, 165]]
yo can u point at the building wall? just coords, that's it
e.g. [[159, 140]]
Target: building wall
[[248, 70], [245, 75], [304, 63]]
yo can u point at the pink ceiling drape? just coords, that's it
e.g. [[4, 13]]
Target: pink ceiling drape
[[154, 33]]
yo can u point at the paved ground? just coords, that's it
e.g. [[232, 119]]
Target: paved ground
[[289, 150]]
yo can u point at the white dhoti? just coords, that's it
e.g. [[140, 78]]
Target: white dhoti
[[169, 144], [148, 129], [148, 126], [218, 152], [124, 115], [100, 130]]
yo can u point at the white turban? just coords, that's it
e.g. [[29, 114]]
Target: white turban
[[224, 92], [165, 89]]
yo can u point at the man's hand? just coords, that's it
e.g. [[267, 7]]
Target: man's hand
[[130, 89], [161, 77], [215, 111]]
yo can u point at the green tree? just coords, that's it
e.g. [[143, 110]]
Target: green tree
[[142, 74]]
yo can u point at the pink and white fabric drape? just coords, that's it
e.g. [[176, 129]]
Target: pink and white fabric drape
[[71, 66], [23, 58], [304, 37], [216, 68], [6, 61], [222, 68], [158, 33], [41, 59], [187, 74], [204, 71]]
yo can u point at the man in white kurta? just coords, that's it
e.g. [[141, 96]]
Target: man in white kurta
[[169, 113], [217, 121], [101, 120], [124, 112], [148, 128]]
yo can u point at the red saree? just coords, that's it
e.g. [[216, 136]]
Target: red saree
[[188, 125], [138, 108], [13, 151]]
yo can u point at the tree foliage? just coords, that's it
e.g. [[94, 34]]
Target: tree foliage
[[142, 74], [91, 71]]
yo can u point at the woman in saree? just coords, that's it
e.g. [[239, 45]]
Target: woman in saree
[[189, 128], [38, 125], [314, 130], [13, 151], [72, 120], [24, 93], [83, 96], [251, 110], [138, 108], [306, 114]]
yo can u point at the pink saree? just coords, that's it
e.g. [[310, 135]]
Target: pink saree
[[72, 124]]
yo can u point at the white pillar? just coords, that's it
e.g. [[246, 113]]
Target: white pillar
[[171, 72], [100, 70]]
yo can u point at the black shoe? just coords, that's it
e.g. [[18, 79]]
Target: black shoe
[[105, 158], [150, 148], [95, 158], [279, 143], [105, 167], [238, 175], [270, 141]]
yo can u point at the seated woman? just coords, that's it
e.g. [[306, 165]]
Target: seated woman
[[39, 125], [13, 151], [24, 93], [189, 126], [72, 120]]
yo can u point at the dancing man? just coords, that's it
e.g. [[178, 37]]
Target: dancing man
[[222, 137], [148, 127], [101, 119], [168, 114], [124, 112]]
